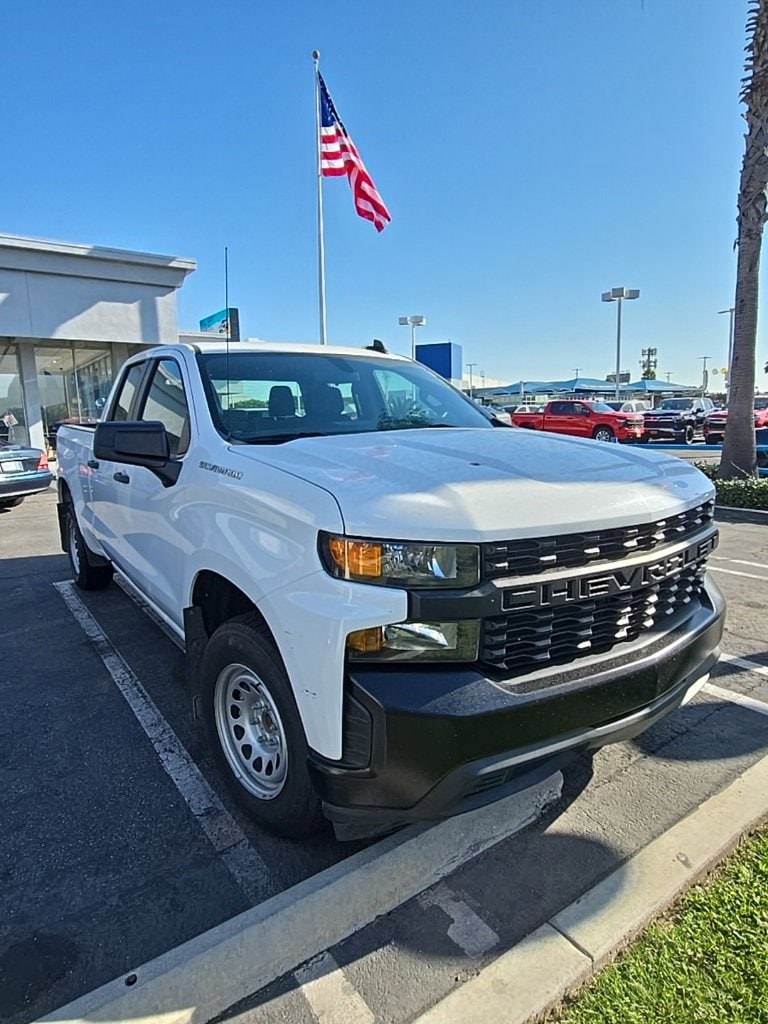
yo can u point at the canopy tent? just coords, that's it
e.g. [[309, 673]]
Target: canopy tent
[[583, 386], [656, 387]]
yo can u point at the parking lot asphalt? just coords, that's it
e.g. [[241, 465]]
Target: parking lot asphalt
[[104, 865]]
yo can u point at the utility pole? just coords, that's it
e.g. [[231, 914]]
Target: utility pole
[[577, 371], [668, 375], [649, 362]]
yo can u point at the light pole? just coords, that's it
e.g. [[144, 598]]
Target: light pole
[[413, 322], [668, 375], [470, 367], [731, 311], [704, 375], [617, 295]]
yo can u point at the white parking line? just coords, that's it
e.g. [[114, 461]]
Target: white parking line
[[225, 835], [470, 933], [747, 663], [740, 561], [331, 997], [736, 698], [735, 572]]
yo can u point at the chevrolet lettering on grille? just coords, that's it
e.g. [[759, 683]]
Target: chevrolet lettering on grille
[[620, 580]]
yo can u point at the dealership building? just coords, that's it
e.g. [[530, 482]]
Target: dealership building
[[70, 315]]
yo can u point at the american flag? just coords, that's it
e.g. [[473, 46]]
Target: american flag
[[338, 155]]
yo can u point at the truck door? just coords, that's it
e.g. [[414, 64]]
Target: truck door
[[107, 513], [580, 424], [157, 547]]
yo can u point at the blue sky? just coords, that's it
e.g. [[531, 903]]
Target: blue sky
[[532, 154]]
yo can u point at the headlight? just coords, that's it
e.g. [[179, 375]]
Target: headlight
[[416, 641], [392, 563]]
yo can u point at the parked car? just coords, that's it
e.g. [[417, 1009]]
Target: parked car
[[23, 471], [714, 424], [387, 622], [583, 419], [630, 405], [678, 419], [495, 413]]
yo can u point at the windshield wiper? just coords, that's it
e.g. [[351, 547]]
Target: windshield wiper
[[281, 438]]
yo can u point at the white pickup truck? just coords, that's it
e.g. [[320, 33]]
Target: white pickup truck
[[392, 609]]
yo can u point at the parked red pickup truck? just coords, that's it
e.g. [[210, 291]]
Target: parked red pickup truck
[[583, 419], [714, 424]]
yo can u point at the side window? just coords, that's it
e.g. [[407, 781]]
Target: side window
[[121, 406], [167, 403], [561, 408]]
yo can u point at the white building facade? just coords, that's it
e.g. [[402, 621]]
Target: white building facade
[[69, 317]]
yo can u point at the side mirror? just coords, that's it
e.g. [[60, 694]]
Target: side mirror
[[136, 443]]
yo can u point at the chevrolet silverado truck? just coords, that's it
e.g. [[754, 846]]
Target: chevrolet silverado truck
[[392, 611], [583, 419], [714, 424], [678, 419]]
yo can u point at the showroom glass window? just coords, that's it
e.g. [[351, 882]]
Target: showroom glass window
[[12, 421]]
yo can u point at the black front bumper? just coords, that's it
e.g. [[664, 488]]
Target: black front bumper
[[425, 744]]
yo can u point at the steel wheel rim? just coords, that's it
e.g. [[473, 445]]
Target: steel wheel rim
[[74, 555], [251, 731]]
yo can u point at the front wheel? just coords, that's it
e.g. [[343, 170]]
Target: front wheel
[[86, 576], [602, 434], [686, 437], [255, 730]]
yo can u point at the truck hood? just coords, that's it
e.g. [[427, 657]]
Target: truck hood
[[481, 485]]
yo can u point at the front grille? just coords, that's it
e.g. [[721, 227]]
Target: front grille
[[524, 557], [531, 639]]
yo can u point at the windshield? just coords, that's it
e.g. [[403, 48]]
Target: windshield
[[675, 403], [271, 397], [761, 403], [601, 407]]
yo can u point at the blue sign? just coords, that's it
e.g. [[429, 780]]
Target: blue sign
[[216, 323], [221, 323]]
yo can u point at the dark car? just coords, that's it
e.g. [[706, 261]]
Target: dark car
[[23, 471], [677, 419]]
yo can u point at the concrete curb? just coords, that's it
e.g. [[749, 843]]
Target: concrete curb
[[205, 976], [559, 956]]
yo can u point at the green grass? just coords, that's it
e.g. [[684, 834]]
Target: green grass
[[706, 962]]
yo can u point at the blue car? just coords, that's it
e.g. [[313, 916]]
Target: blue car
[[23, 471]]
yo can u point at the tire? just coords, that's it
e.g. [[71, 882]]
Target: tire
[[644, 439], [264, 760], [86, 576], [688, 435], [602, 434], [10, 502]]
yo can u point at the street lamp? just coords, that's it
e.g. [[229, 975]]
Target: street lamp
[[470, 367], [616, 295], [413, 322]]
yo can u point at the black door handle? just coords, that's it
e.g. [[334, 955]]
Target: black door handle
[[92, 464], [122, 478]]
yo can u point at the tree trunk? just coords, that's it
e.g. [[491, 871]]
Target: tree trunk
[[739, 457]]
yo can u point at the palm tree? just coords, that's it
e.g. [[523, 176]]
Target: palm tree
[[739, 458]]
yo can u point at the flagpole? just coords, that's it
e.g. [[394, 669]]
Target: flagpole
[[320, 239]]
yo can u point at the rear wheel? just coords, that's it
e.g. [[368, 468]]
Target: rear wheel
[[602, 434], [86, 576], [255, 729]]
